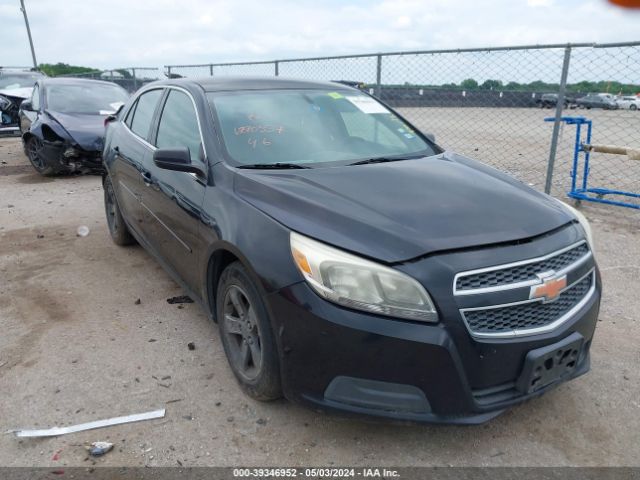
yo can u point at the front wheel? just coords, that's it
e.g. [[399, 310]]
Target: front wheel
[[33, 149], [118, 229], [633, 107], [245, 331]]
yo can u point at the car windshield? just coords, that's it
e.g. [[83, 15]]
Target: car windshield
[[97, 99], [308, 127], [13, 82]]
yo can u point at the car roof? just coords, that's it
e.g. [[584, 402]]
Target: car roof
[[220, 84], [72, 81]]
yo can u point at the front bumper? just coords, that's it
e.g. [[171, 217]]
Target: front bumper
[[342, 360], [82, 161], [320, 342]]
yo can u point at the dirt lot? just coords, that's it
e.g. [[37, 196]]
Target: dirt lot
[[75, 347]]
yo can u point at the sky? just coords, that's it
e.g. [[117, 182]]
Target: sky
[[123, 33]]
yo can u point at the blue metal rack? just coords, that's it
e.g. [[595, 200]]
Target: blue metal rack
[[583, 192]]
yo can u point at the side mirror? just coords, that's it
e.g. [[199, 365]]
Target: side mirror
[[430, 136], [177, 159], [26, 105]]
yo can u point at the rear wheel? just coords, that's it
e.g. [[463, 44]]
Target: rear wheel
[[118, 229], [633, 107], [245, 331], [33, 150]]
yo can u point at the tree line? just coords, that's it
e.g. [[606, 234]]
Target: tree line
[[56, 69], [585, 86]]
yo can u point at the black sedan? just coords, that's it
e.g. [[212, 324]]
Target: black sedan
[[62, 124], [349, 262]]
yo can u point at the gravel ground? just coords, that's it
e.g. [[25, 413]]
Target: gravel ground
[[77, 346]]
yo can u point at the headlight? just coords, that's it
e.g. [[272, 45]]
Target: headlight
[[360, 284], [584, 223]]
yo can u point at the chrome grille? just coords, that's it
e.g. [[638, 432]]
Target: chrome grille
[[530, 315], [519, 273], [526, 309]]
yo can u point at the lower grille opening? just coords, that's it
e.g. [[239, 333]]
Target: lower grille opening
[[501, 393]]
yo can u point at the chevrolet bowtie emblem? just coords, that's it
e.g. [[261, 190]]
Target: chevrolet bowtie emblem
[[550, 288]]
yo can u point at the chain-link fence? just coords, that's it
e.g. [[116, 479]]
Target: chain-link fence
[[491, 103], [130, 78]]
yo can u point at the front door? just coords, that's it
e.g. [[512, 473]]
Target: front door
[[173, 200]]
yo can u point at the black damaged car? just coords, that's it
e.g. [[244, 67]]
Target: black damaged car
[[62, 124], [351, 263]]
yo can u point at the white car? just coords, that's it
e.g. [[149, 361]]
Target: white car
[[15, 86], [628, 102]]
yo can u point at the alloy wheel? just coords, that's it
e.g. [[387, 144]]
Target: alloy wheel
[[33, 152], [242, 330], [110, 207]]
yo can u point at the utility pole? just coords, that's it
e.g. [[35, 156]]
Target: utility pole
[[26, 22]]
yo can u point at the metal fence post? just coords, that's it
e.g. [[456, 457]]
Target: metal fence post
[[379, 76], [211, 70], [169, 71], [556, 123], [277, 67], [135, 80]]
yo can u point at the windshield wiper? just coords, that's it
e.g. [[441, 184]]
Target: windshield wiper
[[267, 166], [385, 159]]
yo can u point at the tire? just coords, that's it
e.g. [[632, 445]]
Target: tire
[[247, 338], [118, 229], [633, 107], [33, 147]]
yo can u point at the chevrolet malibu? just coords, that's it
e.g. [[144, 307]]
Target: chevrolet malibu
[[350, 263]]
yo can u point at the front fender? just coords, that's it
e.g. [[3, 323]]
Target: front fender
[[259, 242]]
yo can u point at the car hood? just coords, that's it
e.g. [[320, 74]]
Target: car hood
[[402, 210], [85, 130], [17, 92]]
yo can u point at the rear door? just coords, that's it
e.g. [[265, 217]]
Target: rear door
[[130, 146], [173, 200]]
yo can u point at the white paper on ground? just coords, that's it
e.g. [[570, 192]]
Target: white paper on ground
[[367, 104], [55, 431]]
